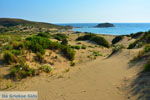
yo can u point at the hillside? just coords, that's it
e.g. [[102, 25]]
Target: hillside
[[8, 22]]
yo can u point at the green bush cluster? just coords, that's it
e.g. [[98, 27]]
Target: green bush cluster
[[39, 57], [21, 70], [147, 48], [83, 46], [96, 53], [136, 35], [144, 39], [117, 39], [94, 38], [64, 42], [68, 52], [60, 36], [43, 34], [116, 49], [17, 45], [9, 57], [16, 52], [46, 68], [135, 44], [37, 44], [147, 67], [76, 47]]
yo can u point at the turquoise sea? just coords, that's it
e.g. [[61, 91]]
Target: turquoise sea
[[119, 29]]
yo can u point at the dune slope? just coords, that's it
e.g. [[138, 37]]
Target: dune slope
[[102, 79]]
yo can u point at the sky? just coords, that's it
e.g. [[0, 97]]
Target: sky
[[77, 11]]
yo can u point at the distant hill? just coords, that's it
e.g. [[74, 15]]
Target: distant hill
[[8, 22]]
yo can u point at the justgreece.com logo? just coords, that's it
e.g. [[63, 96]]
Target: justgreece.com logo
[[18, 95]]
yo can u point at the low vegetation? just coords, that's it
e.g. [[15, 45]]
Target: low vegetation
[[9, 57], [147, 67], [21, 70], [46, 68], [117, 39], [141, 41], [136, 35], [116, 48], [94, 38], [60, 37]]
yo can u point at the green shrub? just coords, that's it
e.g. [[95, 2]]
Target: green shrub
[[147, 48], [83, 47], [117, 39], [136, 35], [35, 47], [39, 57], [94, 38], [76, 47], [60, 36], [54, 45], [46, 68], [147, 67], [116, 49], [72, 63], [7, 47], [135, 44], [85, 37], [68, 52], [144, 39], [21, 70], [43, 34], [96, 53], [9, 58], [17, 45], [44, 42], [16, 52], [64, 42], [100, 41], [132, 45], [37, 44]]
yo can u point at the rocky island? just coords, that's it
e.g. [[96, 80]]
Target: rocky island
[[103, 25]]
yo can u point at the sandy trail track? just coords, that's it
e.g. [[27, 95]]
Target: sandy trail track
[[101, 79]]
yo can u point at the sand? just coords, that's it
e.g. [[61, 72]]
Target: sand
[[101, 79]]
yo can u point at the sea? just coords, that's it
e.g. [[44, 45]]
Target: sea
[[119, 29]]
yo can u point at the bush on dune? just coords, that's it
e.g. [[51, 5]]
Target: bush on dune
[[60, 36], [38, 44], [94, 38], [147, 67], [147, 48], [68, 52], [100, 41], [17, 45], [9, 58], [64, 42], [16, 52], [21, 70], [117, 39], [43, 34], [45, 68], [144, 39]]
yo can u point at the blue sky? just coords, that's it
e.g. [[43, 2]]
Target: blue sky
[[74, 11]]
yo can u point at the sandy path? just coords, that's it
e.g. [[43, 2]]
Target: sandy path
[[97, 80]]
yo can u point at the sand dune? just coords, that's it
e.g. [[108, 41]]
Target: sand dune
[[102, 79]]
